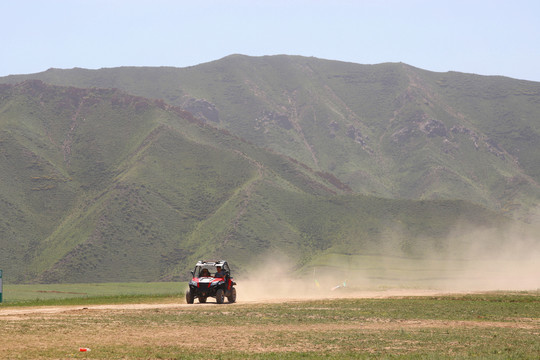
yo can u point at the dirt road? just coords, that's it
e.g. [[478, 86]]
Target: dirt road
[[246, 299]]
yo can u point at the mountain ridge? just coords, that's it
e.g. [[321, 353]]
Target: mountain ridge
[[365, 124]]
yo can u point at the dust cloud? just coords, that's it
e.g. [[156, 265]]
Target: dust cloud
[[276, 279], [495, 259], [469, 260]]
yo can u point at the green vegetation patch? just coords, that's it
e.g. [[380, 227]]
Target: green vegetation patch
[[56, 294]]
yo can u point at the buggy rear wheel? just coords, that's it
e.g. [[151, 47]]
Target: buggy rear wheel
[[202, 299], [232, 296]]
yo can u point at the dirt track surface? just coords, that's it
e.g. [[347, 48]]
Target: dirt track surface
[[42, 311], [19, 313], [14, 312]]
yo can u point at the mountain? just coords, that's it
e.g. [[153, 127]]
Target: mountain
[[99, 185], [133, 174], [389, 130]]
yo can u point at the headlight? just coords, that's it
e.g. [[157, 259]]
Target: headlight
[[215, 283], [192, 283]]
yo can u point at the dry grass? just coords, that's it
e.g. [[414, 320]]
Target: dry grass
[[324, 328]]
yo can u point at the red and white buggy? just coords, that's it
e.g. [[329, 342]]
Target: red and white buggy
[[211, 279]]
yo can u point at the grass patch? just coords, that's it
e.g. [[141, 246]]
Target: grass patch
[[493, 325], [79, 294], [99, 300]]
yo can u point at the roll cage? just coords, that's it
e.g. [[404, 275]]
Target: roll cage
[[211, 266]]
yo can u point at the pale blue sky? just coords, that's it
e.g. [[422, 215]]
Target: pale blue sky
[[488, 37]]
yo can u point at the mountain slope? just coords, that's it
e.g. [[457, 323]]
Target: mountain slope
[[389, 130], [98, 185], [94, 179]]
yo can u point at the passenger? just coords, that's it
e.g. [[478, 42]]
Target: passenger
[[219, 273]]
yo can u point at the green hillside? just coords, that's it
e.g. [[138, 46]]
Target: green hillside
[[97, 180], [101, 186], [387, 130]]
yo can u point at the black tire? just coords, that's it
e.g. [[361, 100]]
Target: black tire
[[232, 297], [220, 296], [189, 297], [202, 300]]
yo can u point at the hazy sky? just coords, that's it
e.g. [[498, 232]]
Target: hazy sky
[[491, 37]]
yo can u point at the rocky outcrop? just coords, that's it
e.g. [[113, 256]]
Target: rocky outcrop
[[355, 134], [202, 109], [272, 117], [420, 122]]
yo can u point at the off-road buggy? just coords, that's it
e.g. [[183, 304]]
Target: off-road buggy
[[211, 279]]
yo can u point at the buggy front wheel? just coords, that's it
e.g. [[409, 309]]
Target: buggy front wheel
[[220, 296], [189, 297]]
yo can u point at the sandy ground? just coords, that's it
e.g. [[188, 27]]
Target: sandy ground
[[13, 313]]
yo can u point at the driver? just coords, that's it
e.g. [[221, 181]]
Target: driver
[[205, 273]]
